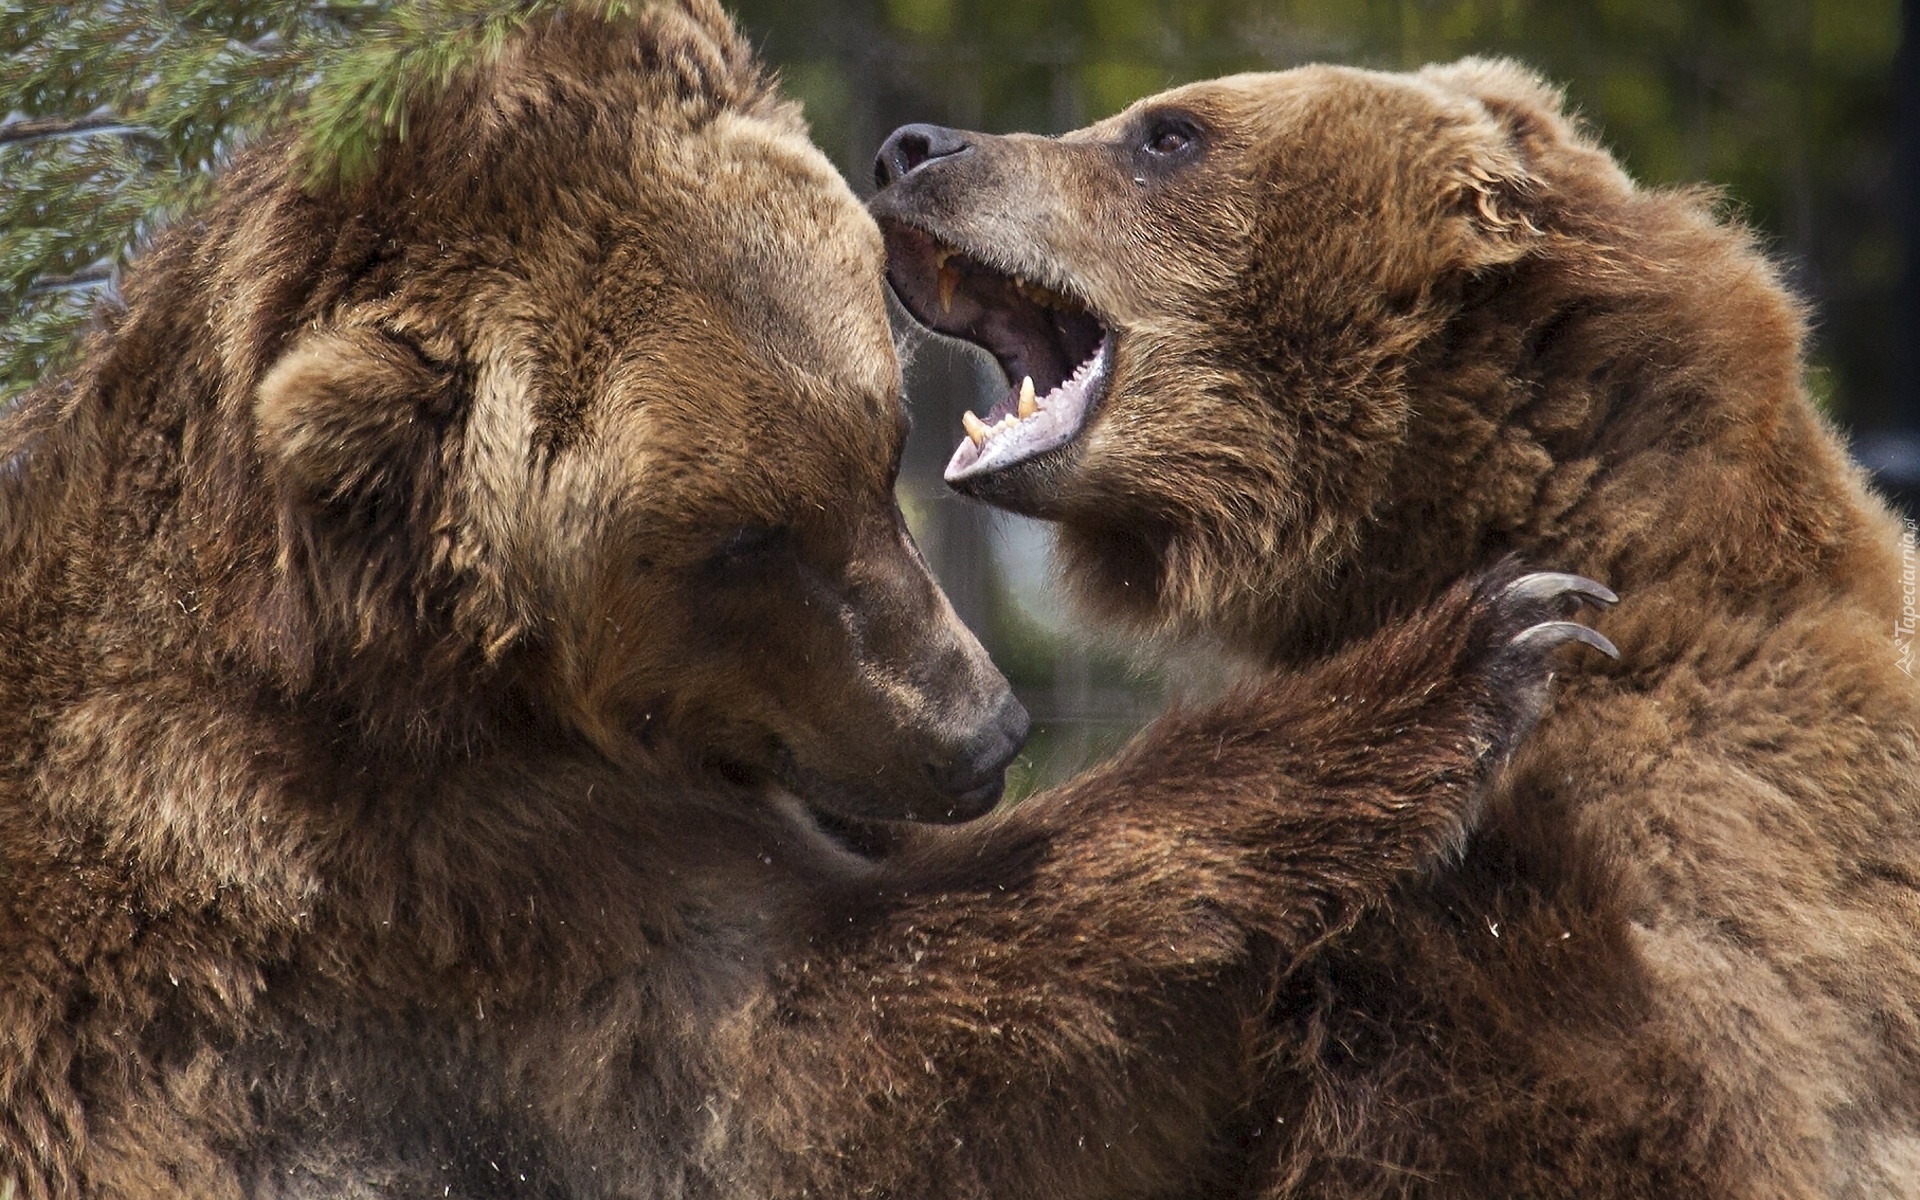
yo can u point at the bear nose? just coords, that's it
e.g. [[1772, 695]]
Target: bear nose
[[911, 147], [973, 777]]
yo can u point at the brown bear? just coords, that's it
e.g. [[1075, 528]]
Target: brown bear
[[455, 627], [1285, 352]]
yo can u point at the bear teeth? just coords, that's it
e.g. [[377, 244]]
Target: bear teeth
[[1041, 423], [978, 431], [947, 275], [1045, 297]]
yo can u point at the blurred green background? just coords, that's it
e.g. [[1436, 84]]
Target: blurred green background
[[1788, 105]]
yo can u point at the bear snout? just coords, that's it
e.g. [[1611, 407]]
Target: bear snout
[[911, 147], [972, 774]]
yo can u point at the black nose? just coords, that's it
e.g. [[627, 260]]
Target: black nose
[[911, 147], [973, 777]]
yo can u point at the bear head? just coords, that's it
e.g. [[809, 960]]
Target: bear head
[[1211, 310], [576, 411]]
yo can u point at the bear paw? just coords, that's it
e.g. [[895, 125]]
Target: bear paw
[[1517, 621]]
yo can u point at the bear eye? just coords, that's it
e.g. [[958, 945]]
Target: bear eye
[[751, 548], [1169, 136]]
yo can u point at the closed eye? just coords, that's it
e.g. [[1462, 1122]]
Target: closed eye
[[752, 549]]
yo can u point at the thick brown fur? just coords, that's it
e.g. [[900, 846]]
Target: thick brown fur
[[1374, 332], [422, 619]]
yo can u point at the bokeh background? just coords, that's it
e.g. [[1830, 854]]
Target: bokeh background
[[1793, 107]]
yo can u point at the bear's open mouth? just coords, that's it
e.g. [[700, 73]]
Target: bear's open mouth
[[1055, 352]]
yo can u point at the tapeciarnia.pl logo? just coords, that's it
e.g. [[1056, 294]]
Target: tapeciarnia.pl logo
[[1909, 622]]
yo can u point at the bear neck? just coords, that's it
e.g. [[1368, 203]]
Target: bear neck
[[1637, 416]]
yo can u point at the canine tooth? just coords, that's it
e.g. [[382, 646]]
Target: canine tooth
[[1028, 405], [976, 428], [949, 280]]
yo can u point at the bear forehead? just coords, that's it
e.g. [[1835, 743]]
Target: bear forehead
[[757, 411], [788, 252], [726, 275], [763, 247], [1248, 105]]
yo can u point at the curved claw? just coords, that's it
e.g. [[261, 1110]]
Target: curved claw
[[1550, 634], [1547, 585]]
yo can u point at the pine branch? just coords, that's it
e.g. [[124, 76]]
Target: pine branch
[[124, 109], [87, 280], [31, 129], [41, 339]]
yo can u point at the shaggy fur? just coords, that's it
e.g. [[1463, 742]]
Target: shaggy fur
[[1373, 332], [432, 625]]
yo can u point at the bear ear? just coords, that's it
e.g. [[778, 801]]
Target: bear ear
[[1498, 194], [1530, 110], [353, 426], [1512, 111], [351, 417]]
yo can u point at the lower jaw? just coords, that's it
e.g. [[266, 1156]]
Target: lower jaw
[[1030, 488], [1018, 447]]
